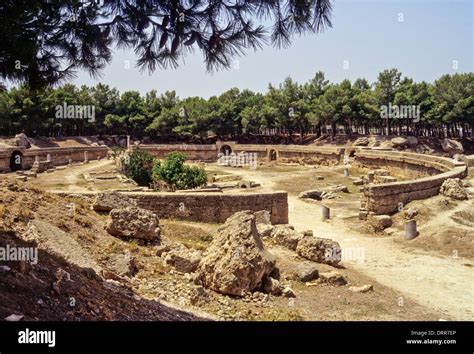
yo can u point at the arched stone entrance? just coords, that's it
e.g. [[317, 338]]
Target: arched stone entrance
[[226, 150], [272, 155], [16, 161]]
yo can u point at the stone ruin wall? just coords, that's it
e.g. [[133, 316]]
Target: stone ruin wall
[[385, 198], [207, 207], [284, 153], [59, 156], [212, 207]]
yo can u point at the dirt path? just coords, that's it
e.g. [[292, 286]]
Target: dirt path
[[440, 283], [71, 179]]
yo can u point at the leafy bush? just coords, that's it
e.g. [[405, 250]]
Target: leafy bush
[[138, 165], [173, 171]]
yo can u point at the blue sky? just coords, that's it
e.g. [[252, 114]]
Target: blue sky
[[424, 39]]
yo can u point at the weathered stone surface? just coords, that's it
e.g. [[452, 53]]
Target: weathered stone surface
[[333, 278], [451, 146], [272, 286], [133, 222], [453, 188], [379, 222], [285, 235], [122, 264], [321, 250], [263, 217], [236, 260], [264, 230], [307, 272], [364, 141], [183, 260], [105, 202]]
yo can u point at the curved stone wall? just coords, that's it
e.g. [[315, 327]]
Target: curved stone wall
[[385, 198], [59, 156], [284, 153]]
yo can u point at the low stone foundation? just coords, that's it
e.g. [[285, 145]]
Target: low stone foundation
[[385, 198]]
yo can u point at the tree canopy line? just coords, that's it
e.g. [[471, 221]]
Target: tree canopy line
[[446, 108], [44, 42]]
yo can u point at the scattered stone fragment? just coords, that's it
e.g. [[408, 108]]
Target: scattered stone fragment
[[134, 222], [399, 142], [453, 188], [333, 278], [307, 272], [361, 289], [379, 222], [451, 146], [288, 292], [358, 182], [122, 264], [183, 260], [107, 201], [286, 236], [272, 286], [14, 318], [363, 141], [321, 250]]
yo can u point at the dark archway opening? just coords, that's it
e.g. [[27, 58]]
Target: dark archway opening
[[16, 160], [273, 155], [226, 150]]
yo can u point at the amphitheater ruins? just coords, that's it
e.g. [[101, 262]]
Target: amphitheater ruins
[[254, 194]]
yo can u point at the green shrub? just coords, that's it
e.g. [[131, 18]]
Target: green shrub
[[173, 171], [137, 166]]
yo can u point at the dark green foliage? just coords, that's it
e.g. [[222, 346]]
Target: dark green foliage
[[44, 41], [174, 172], [138, 166]]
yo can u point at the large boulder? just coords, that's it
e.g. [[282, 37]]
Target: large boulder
[[236, 261], [133, 222], [285, 235], [451, 146], [453, 188], [105, 202], [321, 250], [364, 141], [21, 140], [399, 142]]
